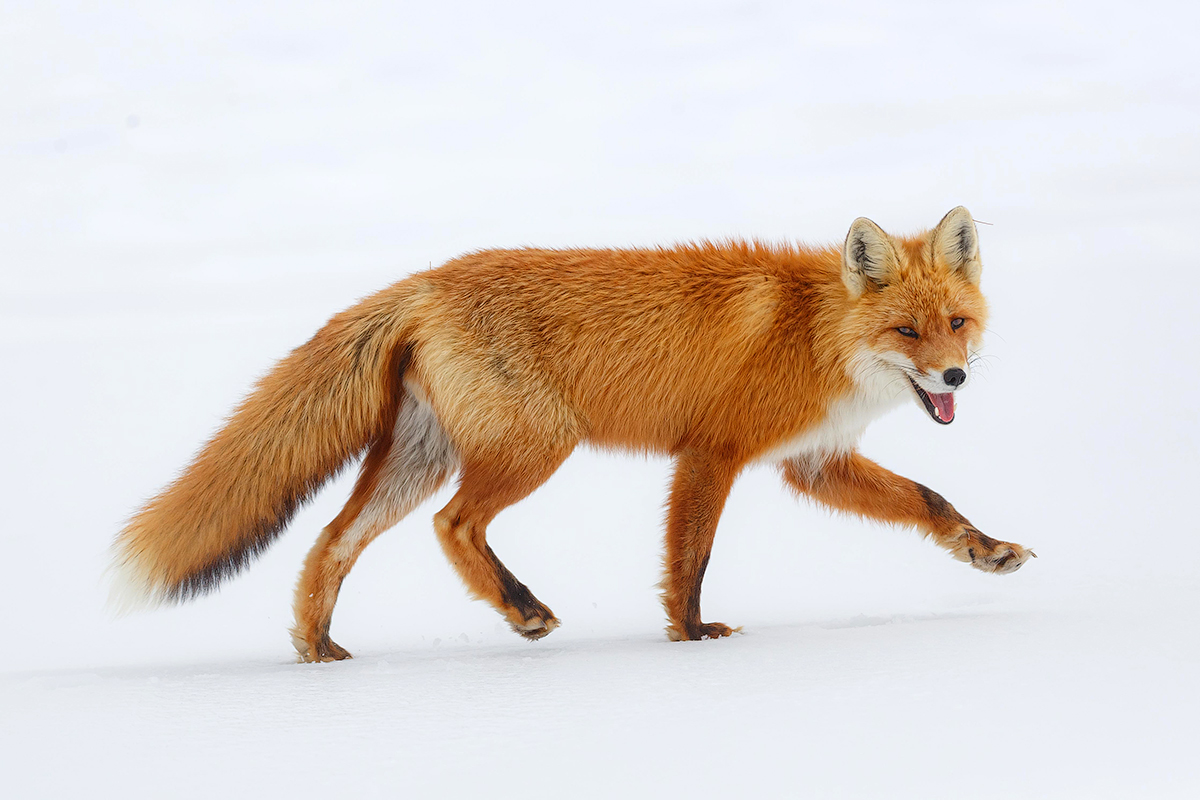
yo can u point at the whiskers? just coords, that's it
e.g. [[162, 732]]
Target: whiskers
[[979, 363], [888, 374]]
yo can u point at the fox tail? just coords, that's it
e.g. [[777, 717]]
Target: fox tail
[[316, 410]]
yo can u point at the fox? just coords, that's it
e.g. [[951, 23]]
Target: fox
[[492, 368]]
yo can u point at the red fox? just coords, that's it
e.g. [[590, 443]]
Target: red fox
[[496, 365]]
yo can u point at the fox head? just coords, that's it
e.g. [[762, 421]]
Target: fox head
[[917, 308]]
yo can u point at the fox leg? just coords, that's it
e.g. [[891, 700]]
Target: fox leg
[[487, 487], [698, 492], [858, 485], [400, 471]]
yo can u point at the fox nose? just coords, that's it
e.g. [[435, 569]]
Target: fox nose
[[954, 377]]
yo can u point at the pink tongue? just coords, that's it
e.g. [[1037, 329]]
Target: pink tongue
[[944, 403]]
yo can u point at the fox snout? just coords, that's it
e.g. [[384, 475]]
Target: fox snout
[[935, 391], [933, 379]]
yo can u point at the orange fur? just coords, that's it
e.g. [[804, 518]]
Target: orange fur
[[498, 364]]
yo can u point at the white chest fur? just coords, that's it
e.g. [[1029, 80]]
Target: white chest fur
[[877, 390]]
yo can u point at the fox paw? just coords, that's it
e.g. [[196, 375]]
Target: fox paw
[[703, 630], [990, 555], [320, 649], [536, 627]]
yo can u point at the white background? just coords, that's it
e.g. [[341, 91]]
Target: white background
[[188, 190]]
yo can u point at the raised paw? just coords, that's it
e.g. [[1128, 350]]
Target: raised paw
[[990, 555], [702, 630], [536, 627]]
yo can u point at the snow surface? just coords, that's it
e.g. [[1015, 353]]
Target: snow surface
[[189, 190]]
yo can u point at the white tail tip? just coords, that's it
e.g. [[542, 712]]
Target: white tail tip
[[129, 588]]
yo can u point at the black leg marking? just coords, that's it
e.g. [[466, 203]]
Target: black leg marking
[[691, 611], [939, 507], [515, 593]]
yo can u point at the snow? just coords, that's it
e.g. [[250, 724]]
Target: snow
[[190, 190], [992, 700]]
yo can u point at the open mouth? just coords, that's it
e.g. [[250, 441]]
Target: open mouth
[[939, 406]]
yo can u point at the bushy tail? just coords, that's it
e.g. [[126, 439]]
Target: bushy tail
[[316, 410]]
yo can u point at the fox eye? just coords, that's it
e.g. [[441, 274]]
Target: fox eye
[[909, 332], [957, 323]]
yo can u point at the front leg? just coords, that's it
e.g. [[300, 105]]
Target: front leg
[[856, 484], [701, 484]]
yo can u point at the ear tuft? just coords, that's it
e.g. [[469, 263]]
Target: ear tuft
[[868, 258], [956, 244]]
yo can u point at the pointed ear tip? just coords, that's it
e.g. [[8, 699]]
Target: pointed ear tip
[[863, 222]]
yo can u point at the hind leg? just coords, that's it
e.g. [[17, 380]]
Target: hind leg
[[488, 486], [399, 472]]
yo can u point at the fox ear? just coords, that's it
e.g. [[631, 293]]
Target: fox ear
[[868, 258], [956, 244]]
